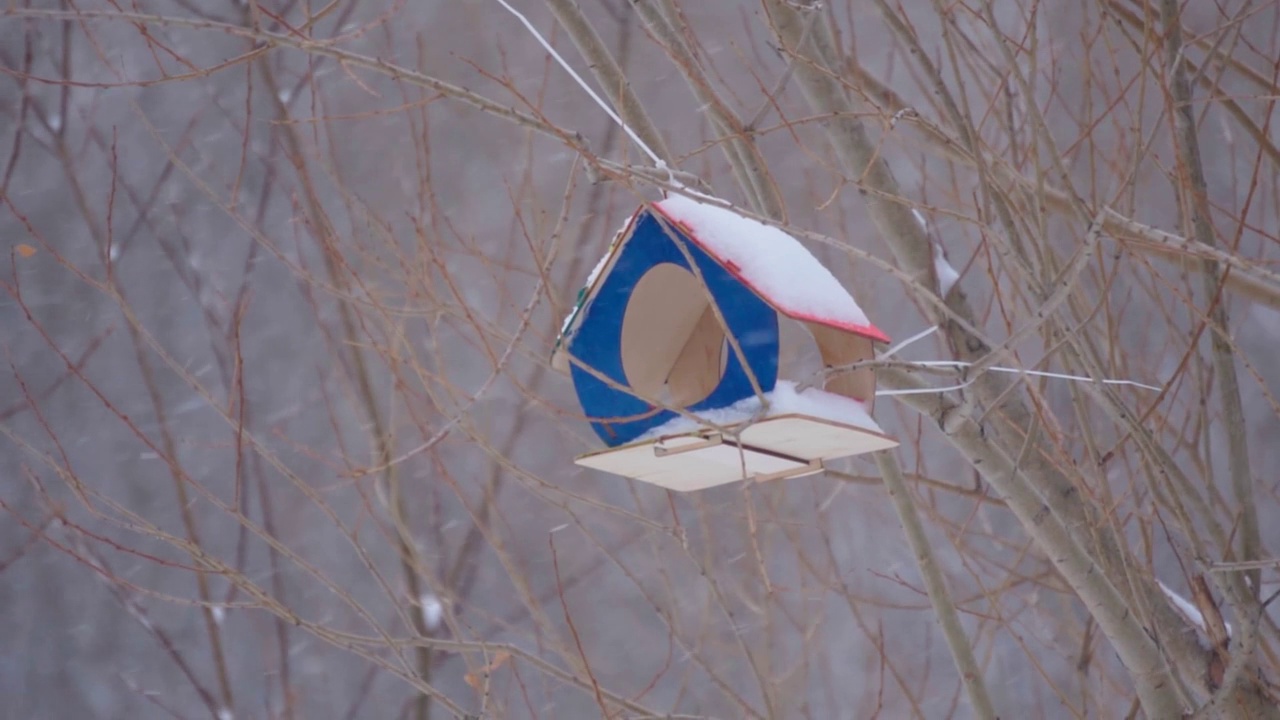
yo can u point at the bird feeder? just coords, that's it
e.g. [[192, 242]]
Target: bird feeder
[[673, 349]]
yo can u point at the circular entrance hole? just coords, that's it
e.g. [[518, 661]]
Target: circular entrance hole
[[673, 348]]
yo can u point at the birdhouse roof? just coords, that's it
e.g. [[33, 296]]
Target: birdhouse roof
[[768, 261], [772, 263]]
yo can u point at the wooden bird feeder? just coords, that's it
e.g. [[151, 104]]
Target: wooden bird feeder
[[682, 315]]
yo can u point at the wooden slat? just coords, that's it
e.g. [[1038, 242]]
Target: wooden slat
[[700, 365], [839, 348], [694, 470], [781, 447], [807, 438]]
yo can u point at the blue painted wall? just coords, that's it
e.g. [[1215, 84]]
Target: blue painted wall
[[618, 416]]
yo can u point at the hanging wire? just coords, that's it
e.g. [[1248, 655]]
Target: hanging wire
[[1014, 371], [657, 161]]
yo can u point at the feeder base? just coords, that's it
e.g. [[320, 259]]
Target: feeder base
[[779, 447]]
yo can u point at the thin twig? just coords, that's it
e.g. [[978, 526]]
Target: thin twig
[[936, 586]]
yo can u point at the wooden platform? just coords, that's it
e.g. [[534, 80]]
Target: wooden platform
[[772, 449]]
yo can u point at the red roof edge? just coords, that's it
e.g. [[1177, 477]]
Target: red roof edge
[[870, 332]]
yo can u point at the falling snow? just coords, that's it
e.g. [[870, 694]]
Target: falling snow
[[432, 611]]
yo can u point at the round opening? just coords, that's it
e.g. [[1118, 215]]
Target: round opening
[[673, 347]]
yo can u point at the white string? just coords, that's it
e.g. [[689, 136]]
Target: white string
[[1037, 373], [657, 161], [914, 338], [1041, 373]]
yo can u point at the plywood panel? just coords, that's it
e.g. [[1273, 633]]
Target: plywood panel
[[786, 446], [664, 309], [700, 365], [838, 349], [806, 438], [696, 469]]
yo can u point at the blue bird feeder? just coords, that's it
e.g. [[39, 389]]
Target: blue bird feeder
[[673, 349]]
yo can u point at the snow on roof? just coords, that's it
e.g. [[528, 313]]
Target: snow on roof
[[783, 400], [774, 264]]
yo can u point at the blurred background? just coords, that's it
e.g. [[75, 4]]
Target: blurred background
[[278, 433]]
